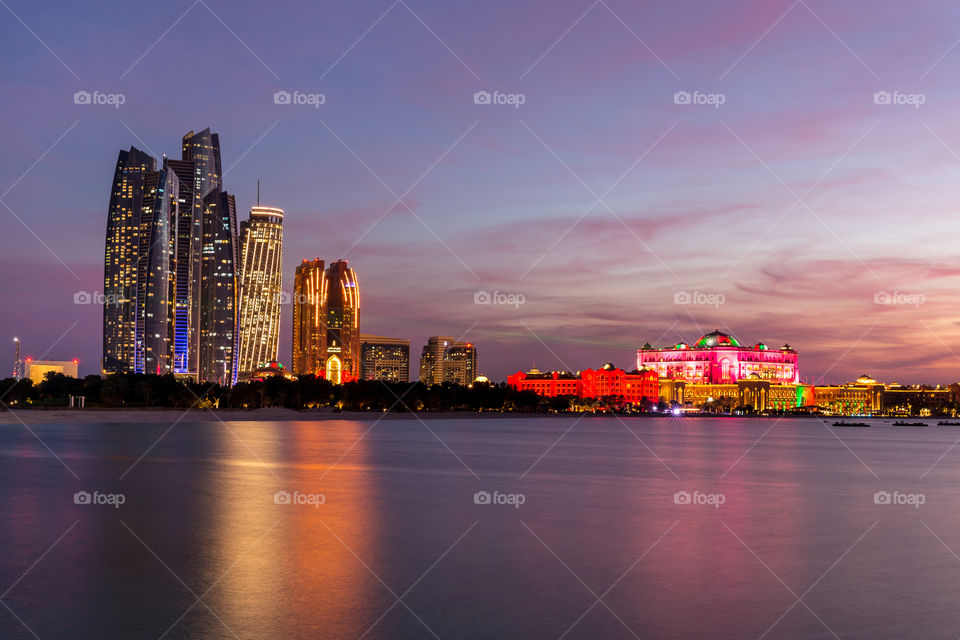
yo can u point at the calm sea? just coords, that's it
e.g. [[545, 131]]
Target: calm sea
[[467, 528]]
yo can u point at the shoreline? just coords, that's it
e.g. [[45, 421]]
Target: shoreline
[[274, 414]]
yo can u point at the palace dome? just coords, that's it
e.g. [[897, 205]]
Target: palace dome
[[716, 338]]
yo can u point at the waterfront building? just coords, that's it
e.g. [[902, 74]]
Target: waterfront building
[[309, 319], [218, 289], [460, 363], [608, 381], [431, 360], [200, 173], [342, 362], [36, 370], [444, 359], [261, 288], [717, 358], [383, 358], [138, 266], [550, 384]]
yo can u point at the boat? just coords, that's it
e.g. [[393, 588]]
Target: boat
[[909, 424], [850, 424], [947, 423]]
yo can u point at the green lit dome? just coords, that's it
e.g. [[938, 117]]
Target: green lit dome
[[716, 338]]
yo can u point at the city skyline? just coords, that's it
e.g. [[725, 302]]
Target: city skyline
[[807, 207]]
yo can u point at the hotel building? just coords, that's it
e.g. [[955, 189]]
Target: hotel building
[[309, 319], [218, 289], [342, 362], [138, 266], [261, 288], [717, 358], [384, 358], [444, 359], [635, 387]]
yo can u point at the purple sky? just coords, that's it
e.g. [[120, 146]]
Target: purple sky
[[788, 209]]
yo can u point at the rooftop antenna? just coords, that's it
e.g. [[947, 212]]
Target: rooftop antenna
[[258, 192]]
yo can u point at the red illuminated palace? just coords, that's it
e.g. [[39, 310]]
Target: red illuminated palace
[[607, 381], [717, 358]]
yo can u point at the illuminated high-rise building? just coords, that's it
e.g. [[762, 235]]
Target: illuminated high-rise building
[[309, 319], [384, 358], [200, 173], [261, 257], [218, 289], [431, 360], [342, 363], [138, 275], [444, 359], [154, 338], [120, 259], [460, 363]]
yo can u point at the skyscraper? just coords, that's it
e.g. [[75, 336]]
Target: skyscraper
[[384, 358], [261, 257], [343, 324], [171, 264], [153, 343], [460, 363], [431, 360], [444, 359], [309, 319], [138, 276], [199, 173], [218, 289]]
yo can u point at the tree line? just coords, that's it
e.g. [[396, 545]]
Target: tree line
[[136, 390]]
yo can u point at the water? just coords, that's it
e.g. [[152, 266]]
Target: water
[[199, 549]]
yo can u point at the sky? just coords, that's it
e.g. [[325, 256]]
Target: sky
[[615, 172]]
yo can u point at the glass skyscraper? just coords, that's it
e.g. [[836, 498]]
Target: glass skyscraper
[[171, 262], [138, 275], [261, 288]]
